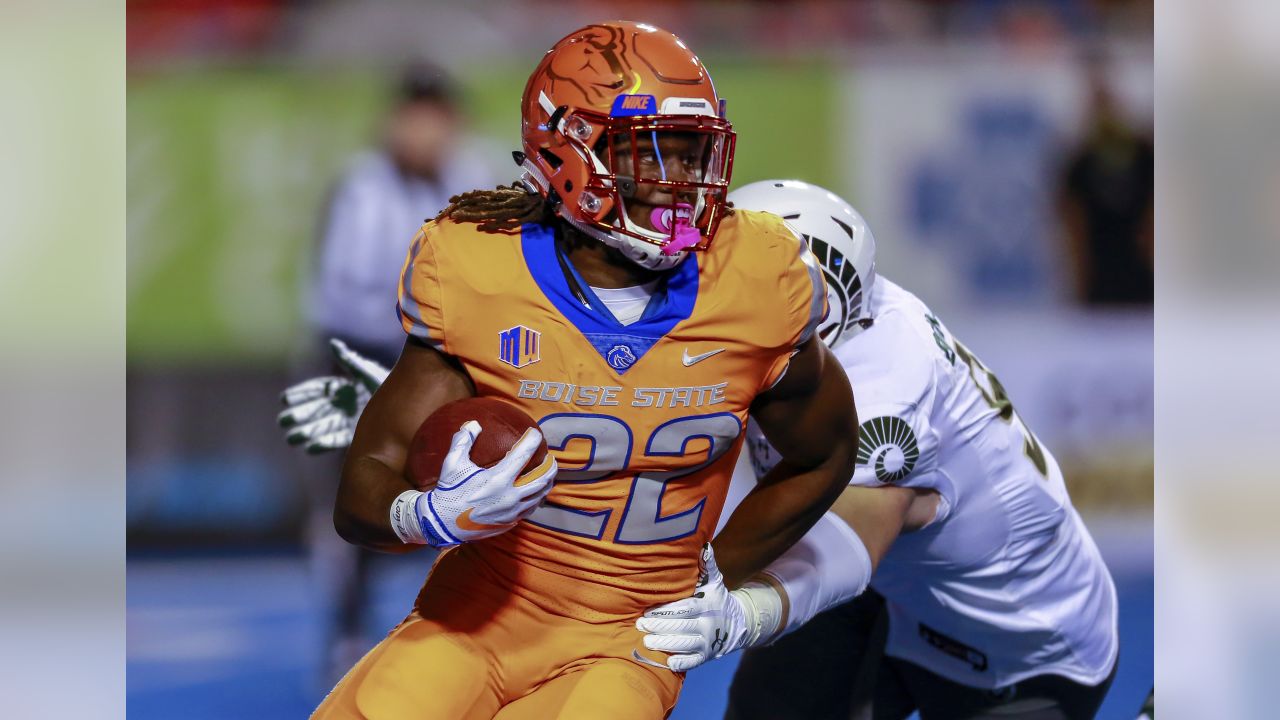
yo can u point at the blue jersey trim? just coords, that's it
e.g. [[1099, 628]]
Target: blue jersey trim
[[621, 346]]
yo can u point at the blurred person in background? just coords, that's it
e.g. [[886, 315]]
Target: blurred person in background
[[384, 196], [1105, 198]]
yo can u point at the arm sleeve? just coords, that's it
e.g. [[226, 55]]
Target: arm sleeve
[[420, 304], [827, 567]]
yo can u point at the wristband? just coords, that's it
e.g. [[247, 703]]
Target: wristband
[[763, 607], [827, 567], [405, 521]]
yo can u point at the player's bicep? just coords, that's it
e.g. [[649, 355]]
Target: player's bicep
[[810, 411], [422, 380]]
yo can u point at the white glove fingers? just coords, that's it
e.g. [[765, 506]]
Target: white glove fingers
[[304, 413], [537, 481], [709, 567], [673, 643], [308, 431], [307, 390], [518, 456], [690, 607], [460, 446], [670, 626], [512, 509], [338, 440], [369, 373], [685, 663]]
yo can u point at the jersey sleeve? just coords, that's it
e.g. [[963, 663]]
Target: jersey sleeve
[[420, 303], [805, 291], [802, 291], [895, 385], [896, 446]]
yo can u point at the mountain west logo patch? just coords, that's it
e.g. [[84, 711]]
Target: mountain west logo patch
[[889, 445], [520, 346]]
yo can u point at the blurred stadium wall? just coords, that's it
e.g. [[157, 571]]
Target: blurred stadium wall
[[945, 123]]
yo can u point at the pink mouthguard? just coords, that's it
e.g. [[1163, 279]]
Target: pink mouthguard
[[683, 235]]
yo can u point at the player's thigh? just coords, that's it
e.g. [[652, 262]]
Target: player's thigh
[[824, 669], [1043, 697], [419, 671], [608, 688]]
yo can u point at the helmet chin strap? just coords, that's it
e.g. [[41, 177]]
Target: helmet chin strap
[[643, 254]]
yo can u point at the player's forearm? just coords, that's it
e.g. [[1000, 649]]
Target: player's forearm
[[828, 567], [362, 513], [777, 513]]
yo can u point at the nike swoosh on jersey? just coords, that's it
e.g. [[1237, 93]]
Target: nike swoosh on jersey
[[694, 359], [464, 522]]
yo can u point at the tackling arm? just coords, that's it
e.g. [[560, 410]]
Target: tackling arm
[[809, 417], [833, 562]]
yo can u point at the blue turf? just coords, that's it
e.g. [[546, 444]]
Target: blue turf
[[236, 637]]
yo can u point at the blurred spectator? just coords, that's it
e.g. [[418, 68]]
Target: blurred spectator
[[378, 205], [1105, 198], [370, 219]]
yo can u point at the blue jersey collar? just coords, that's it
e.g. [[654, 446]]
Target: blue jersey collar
[[621, 346]]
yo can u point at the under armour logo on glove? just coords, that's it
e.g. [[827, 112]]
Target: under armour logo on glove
[[717, 647]]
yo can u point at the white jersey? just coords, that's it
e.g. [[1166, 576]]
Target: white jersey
[[1006, 582]]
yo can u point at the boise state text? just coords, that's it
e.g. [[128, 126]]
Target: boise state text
[[611, 395]]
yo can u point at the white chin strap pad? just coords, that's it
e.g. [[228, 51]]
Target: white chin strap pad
[[644, 254]]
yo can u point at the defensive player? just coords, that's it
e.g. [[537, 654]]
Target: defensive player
[[625, 308], [998, 602]]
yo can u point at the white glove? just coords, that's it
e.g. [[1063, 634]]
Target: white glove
[[471, 502], [321, 413], [713, 622]]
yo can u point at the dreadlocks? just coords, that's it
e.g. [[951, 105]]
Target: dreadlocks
[[503, 209], [506, 208]]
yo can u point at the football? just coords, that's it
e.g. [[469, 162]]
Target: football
[[501, 426]]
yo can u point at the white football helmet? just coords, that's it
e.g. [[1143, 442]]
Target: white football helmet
[[840, 240]]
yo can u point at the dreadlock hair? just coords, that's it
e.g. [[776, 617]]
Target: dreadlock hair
[[503, 209], [506, 208]]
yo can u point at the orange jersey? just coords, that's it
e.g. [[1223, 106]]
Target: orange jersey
[[645, 420]]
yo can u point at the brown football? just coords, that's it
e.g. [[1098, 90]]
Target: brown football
[[501, 426]]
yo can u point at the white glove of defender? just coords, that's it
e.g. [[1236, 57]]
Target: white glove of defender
[[713, 622], [321, 413], [471, 502]]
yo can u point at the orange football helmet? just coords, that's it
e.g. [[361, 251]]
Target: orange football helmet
[[604, 116]]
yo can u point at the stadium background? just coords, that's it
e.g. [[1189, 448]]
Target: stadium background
[[945, 123]]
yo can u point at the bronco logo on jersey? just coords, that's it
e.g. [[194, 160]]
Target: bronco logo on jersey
[[620, 357], [520, 346]]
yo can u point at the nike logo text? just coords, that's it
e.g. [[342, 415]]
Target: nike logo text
[[694, 359]]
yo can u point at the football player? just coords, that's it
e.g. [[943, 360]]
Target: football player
[[999, 599], [613, 296], [998, 602]]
